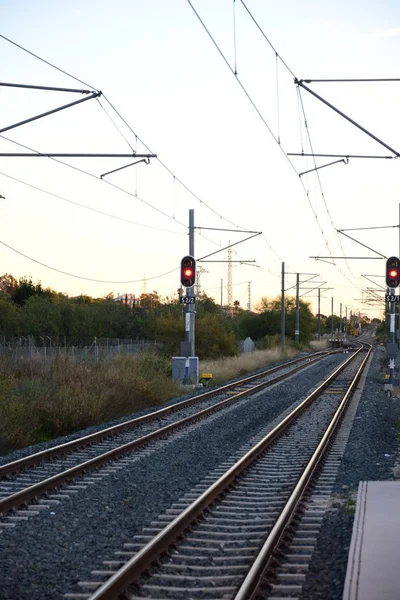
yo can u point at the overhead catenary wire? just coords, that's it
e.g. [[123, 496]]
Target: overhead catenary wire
[[116, 126], [195, 196], [46, 62], [261, 116], [120, 116], [52, 65], [81, 276], [136, 138], [234, 36], [83, 171], [322, 192], [135, 195], [96, 210], [277, 99], [308, 134]]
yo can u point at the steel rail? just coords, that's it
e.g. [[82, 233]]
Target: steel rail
[[248, 589], [134, 568], [87, 440], [25, 495]]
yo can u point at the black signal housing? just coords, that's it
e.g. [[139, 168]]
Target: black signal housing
[[188, 271], [393, 272]]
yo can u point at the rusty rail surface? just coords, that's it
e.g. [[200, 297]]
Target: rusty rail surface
[[87, 440], [17, 499], [248, 589], [131, 572]]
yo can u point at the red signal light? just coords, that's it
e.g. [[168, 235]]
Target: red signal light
[[393, 272], [188, 271]]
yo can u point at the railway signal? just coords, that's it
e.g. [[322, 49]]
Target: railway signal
[[188, 271], [393, 272]]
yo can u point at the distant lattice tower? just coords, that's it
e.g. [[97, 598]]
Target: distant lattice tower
[[199, 272], [249, 296], [230, 292]]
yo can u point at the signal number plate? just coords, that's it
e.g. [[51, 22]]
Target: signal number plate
[[392, 298], [191, 300]]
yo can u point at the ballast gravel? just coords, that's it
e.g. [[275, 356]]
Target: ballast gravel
[[44, 557], [370, 455]]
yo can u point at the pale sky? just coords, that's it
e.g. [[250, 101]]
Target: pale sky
[[157, 66]]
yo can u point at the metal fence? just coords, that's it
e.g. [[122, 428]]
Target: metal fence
[[99, 349]]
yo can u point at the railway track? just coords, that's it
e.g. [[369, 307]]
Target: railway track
[[221, 539], [29, 478]]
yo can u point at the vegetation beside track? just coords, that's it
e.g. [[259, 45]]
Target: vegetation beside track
[[230, 367], [40, 401]]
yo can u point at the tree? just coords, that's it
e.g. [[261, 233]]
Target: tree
[[205, 305], [170, 332], [8, 284], [26, 288], [212, 338], [40, 317], [111, 319], [149, 301], [9, 318]]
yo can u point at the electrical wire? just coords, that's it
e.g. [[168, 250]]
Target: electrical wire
[[234, 36], [46, 62], [267, 40], [83, 171], [262, 118], [96, 210], [309, 138], [232, 71], [322, 192], [126, 124], [115, 125], [129, 127], [80, 276], [277, 98], [201, 202]]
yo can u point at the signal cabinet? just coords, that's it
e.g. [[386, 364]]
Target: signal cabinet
[[178, 368]]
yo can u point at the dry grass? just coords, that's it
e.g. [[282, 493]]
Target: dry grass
[[41, 401], [318, 345], [231, 367]]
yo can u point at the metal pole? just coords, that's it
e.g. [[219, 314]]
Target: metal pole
[[340, 322], [319, 313], [186, 379], [297, 325], [189, 312], [345, 325], [392, 337], [221, 297], [332, 320], [191, 290], [283, 309]]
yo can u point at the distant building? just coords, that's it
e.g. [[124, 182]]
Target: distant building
[[128, 299]]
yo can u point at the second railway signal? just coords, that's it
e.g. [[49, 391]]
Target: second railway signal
[[188, 271], [393, 272]]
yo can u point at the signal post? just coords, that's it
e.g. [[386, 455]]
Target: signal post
[[188, 279], [392, 281]]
